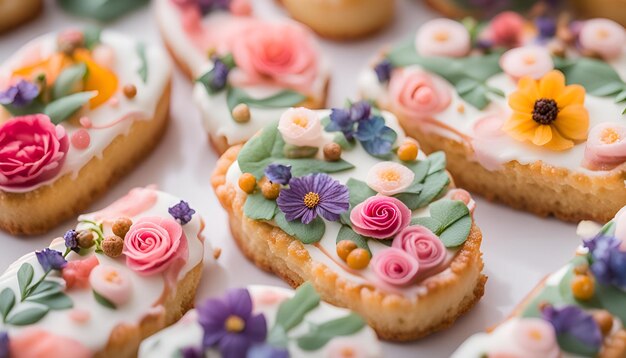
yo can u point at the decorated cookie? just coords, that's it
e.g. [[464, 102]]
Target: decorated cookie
[[342, 19], [247, 70], [122, 274], [579, 311], [15, 13], [532, 116], [266, 321], [344, 199], [78, 109]]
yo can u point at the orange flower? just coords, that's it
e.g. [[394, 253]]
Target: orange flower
[[548, 113]]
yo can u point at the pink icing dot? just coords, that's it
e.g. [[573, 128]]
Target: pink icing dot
[[81, 139], [85, 122], [79, 316], [114, 102]]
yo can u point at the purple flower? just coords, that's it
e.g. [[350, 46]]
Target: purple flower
[[484, 44], [312, 195], [206, 6], [20, 94], [71, 240], [360, 111], [608, 262], [267, 351], [181, 212], [229, 324], [375, 137], [383, 70], [220, 75], [51, 259], [192, 352], [574, 321], [344, 120], [546, 27], [278, 173], [4, 345]]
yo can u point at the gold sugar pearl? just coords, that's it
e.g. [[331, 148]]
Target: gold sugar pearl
[[358, 259], [112, 246], [247, 182], [332, 152], [407, 152], [241, 113], [583, 287], [270, 190], [344, 248], [121, 226], [130, 91]]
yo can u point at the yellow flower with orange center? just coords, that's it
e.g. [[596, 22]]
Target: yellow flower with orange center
[[548, 113]]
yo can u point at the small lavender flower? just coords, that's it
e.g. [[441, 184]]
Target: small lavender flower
[[4, 345], [383, 70], [192, 352], [312, 195], [71, 240], [278, 173], [51, 259], [546, 27], [267, 351], [574, 321], [360, 111], [19, 95], [341, 121], [608, 261], [375, 137], [181, 212], [220, 75], [484, 44]]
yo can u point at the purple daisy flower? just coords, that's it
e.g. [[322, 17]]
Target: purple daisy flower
[[574, 321], [229, 324], [278, 173], [19, 95], [608, 261], [312, 195], [181, 212], [51, 259]]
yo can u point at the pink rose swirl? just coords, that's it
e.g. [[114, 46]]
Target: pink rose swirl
[[395, 266], [422, 244], [380, 217], [417, 94]]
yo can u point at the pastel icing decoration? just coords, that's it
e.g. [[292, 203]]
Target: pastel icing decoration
[[395, 266], [417, 93], [422, 244], [531, 61], [389, 178], [300, 127], [380, 217], [442, 37], [603, 36]]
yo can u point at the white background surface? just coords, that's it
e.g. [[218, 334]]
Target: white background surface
[[519, 249]]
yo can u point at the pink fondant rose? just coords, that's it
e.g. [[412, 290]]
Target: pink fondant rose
[[416, 94], [395, 266], [32, 150], [606, 146], [533, 61], [442, 37], [283, 53], [300, 126], [422, 244], [603, 36], [380, 217], [507, 29], [153, 243]]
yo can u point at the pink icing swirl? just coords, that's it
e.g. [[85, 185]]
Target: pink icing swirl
[[395, 266], [417, 94], [606, 146], [380, 217], [36, 342], [419, 242], [153, 244], [32, 150]]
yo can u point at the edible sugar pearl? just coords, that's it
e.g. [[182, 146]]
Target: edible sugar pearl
[[81, 139], [85, 122]]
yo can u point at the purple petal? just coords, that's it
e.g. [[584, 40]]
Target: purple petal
[[256, 328], [239, 303], [234, 346]]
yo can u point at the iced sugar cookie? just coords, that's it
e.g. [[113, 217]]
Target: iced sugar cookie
[[15, 13], [78, 110], [529, 116], [124, 273], [269, 322], [247, 70], [579, 311], [345, 200]]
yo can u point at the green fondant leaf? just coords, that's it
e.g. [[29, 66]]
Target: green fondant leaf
[[437, 162], [306, 233], [305, 166], [294, 151], [57, 301], [68, 80], [608, 228], [62, 108], [277, 337], [103, 10], [411, 200], [257, 207], [609, 89], [449, 219], [621, 97], [45, 288], [594, 75], [420, 169], [143, 68], [346, 233], [25, 277], [434, 184], [292, 311], [285, 98], [344, 143], [27, 316], [103, 301], [320, 334], [91, 36], [571, 344], [359, 191], [431, 224], [7, 301]]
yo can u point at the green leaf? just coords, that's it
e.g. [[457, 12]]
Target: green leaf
[[295, 152], [420, 169], [609, 89], [58, 301], [621, 97], [285, 98], [7, 301], [206, 79], [304, 166], [277, 337], [320, 334], [292, 311], [62, 108], [143, 69], [91, 35], [477, 97], [346, 233], [25, 277], [255, 154], [449, 219], [431, 224], [434, 184], [359, 191], [27, 316], [257, 207], [103, 301], [68, 80], [343, 142], [594, 75], [306, 233], [45, 288], [103, 10], [437, 162]]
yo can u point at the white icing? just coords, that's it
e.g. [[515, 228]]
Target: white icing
[[505, 149], [147, 290], [363, 162], [141, 107], [188, 333], [216, 116]]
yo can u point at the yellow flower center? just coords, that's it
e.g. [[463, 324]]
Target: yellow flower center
[[441, 36], [301, 121], [112, 276], [535, 334], [602, 34], [311, 199], [609, 136], [529, 60], [347, 352], [545, 111], [234, 324], [389, 175]]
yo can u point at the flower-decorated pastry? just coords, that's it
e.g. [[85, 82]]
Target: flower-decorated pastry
[[124, 273], [15, 13], [483, 9], [345, 200], [247, 70], [342, 19], [528, 115], [103, 10], [265, 321], [579, 311], [78, 109]]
